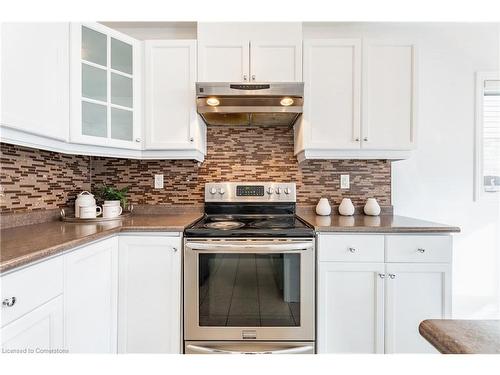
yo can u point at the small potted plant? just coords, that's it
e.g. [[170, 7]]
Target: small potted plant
[[112, 196]]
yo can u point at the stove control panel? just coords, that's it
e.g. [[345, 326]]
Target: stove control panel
[[250, 192]]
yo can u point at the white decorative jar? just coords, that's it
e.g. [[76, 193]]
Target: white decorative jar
[[323, 207], [372, 207], [83, 199], [346, 207]]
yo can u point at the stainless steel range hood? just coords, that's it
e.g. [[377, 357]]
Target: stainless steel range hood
[[246, 104]]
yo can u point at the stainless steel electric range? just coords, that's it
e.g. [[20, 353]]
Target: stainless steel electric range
[[249, 273]]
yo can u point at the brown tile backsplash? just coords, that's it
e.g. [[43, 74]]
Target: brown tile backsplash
[[34, 179]]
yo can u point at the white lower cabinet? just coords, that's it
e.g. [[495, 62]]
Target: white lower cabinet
[[38, 331], [376, 307], [414, 292], [149, 313], [90, 298], [350, 307]]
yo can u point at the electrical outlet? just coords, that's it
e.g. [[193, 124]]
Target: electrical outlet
[[158, 181], [344, 181]]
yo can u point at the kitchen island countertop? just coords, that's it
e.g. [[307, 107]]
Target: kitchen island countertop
[[453, 336]]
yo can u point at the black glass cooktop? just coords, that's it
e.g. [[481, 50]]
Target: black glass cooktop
[[249, 226]]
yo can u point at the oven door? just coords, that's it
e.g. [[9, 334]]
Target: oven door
[[249, 289]]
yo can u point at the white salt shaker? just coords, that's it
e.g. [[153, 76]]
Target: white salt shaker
[[323, 207]]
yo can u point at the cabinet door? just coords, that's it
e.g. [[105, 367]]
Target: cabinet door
[[39, 330], [150, 294], [90, 298], [171, 119], [332, 79], [223, 62], [389, 95], [350, 308], [106, 88], [35, 78], [275, 61], [414, 292]]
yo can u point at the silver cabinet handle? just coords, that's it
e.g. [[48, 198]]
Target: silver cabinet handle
[[352, 249], [253, 77], [392, 276], [381, 275], [420, 250], [9, 302], [138, 139], [191, 139], [245, 77], [174, 249], [357, 139], [365, 139]]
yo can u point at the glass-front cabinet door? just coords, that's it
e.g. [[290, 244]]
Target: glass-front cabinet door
[[105, 85]]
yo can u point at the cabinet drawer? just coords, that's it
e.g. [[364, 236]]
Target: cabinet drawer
[[432, 249], [351, 248], [31, 287]]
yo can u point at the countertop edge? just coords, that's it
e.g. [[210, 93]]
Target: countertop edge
[[439, 340]]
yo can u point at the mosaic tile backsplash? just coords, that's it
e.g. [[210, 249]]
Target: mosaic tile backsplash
[[34, 179]]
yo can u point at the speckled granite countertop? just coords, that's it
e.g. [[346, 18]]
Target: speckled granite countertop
[[25, 244], [373, 224], [462, 336]]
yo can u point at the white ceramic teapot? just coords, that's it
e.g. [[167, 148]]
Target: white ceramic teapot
[[85, 198]]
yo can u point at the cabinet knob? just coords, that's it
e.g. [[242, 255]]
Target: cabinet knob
[[253, 77], [381, 275], [174, 249], [352, 249], [392, 276], [191, 139], [365, 139], [245, 77], [137, 139], [357, 139], [9, 302], [420, 250]]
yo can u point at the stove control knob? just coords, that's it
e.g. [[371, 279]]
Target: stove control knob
[[213, 191], [287, 191], [221, 191], [270, 190], [278, 190]]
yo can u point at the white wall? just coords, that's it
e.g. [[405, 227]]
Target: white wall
[[436, 183]]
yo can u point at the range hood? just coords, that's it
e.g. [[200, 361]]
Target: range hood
[[249, 104]]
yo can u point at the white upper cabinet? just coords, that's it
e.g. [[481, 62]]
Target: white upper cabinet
[[275, 61], [223, 61], [332, 77], [389, 95], [35, 79], [171, 119], [105, 87], [359, 100]]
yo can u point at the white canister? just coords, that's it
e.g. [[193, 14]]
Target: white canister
[[323, 207], [90, 212], [372, 207], [85, 198], [109, 211], [346, 207]]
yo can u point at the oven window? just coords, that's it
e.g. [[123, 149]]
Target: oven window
[[249, 290]]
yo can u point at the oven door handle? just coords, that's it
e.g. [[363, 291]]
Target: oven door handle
[[208, 350], [210, 246]]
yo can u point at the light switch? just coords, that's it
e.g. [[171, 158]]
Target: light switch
[[344, 181], [158, 181]]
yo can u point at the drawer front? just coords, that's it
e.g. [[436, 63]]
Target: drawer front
[[31, 287], [416, 249], [350, 248]]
